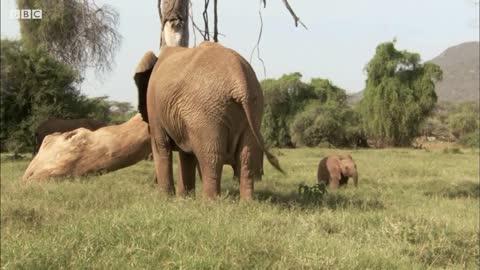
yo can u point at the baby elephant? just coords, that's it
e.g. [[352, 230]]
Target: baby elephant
[[335, 170]]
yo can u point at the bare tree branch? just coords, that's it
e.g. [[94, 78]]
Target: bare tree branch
[[205, 20], [257, 46], [215, 21], [295, 17]]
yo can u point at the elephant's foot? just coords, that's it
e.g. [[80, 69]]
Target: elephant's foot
[[166, 190], [246, 189], [211, 187], [184, 192]]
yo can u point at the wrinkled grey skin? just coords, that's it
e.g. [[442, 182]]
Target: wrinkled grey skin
[[207, 104]]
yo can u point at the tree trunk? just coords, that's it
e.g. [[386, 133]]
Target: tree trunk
[[82, 152], [174, 20]]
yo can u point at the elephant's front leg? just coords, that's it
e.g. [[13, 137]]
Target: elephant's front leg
[[162, 156], [334, 182], [186, 174]]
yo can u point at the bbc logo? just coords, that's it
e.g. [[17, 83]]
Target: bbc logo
[[26, 14]]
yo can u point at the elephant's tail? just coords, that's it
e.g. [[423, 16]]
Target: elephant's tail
[[249, 111]]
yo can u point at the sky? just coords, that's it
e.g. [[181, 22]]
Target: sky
[[341, 38]]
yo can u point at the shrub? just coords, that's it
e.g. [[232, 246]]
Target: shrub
[[471, 139]]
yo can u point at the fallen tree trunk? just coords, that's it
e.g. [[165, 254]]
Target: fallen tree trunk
[[82, 152]]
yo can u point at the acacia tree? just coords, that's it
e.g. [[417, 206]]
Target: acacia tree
[[399, 95], [77, 32]]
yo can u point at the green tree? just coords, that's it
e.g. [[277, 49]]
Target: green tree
[[34, 87], [326, 92], [120, 112], [399, 95], [464, 118], [284, 97], [328, 123], [297, 113]]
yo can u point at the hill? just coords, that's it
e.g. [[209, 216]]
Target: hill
[[461, 74], [461, 69]]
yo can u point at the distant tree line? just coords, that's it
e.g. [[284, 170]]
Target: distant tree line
[[308, 114], [399, 104]]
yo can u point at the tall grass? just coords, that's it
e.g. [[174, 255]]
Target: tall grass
[[412, 210]]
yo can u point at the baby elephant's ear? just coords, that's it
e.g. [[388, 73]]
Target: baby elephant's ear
[[142, 76]]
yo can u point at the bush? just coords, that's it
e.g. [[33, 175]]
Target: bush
[[283, 98], [471, 139], [464, 119], [317, 124], [301, 114], [313, 193]]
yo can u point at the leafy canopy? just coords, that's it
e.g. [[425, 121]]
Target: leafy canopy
[[35, 86], [399, 94], [306, 114]]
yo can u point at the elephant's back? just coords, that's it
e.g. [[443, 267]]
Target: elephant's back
[[50, 126], [93, 124], [188, 78], [53, 125], [200, 66], [322, 173]]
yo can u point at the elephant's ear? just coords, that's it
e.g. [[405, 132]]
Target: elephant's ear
[[142, 76]]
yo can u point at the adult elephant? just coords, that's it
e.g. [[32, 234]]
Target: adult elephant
[[53, 125], [206, 103]]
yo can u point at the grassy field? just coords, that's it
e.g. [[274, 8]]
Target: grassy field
[[414, 209]]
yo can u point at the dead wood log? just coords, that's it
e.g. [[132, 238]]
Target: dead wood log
[[82, 152]]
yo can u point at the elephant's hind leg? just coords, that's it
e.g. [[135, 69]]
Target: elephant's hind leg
[[162, 156], [249, 162], [211, 165], [186, 174]]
